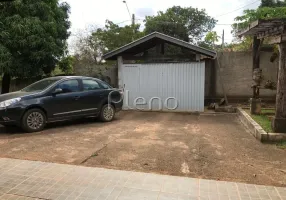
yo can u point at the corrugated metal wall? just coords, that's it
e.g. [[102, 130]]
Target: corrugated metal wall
[[164, 86]]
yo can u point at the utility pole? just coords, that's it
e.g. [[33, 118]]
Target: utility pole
[[133, 20], [222, 44], [133, 23]]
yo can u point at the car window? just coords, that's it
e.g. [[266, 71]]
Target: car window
[[69, 86], [40, 85], [105, 85], [89, 84]]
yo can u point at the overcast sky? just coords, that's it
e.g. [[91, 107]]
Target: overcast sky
[[95, 12]]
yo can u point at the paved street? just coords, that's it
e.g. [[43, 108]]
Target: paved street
[[21, 179]]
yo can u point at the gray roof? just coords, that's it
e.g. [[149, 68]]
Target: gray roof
[[149, 41]]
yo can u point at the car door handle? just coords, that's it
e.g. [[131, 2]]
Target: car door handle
[[76, 97]]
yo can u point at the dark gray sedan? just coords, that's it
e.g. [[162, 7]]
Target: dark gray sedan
[[57, 99]]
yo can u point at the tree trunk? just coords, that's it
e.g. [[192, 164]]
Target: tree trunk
[[279, 123], [6, 83]]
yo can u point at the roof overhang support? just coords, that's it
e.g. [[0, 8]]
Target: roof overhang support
[[276, 39], [275, 32], [272, 32]]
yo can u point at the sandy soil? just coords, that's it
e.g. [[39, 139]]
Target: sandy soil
[[204, 146]]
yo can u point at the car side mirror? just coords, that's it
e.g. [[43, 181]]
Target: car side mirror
[[57, 91]]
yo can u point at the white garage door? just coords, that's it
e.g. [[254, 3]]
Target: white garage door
[[174, 86]]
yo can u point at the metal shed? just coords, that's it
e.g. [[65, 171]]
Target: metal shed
[[161, 82]]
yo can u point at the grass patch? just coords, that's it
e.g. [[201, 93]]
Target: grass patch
[[263, 121], [281, 145]]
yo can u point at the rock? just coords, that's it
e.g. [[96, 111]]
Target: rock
[[228, 109], [211, 106], [221, 102]]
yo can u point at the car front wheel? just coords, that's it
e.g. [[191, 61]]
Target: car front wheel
[[34, 120], [107, 113]]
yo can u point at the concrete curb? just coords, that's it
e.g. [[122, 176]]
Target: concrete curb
[[256, 130]]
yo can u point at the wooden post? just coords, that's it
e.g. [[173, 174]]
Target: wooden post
[[255, 101], [279, 123], [256, 53], [255, 62]]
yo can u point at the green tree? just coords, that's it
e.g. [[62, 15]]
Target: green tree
[[272, 3], [66, 64], [188, 24], [33, 37], [212, 37], [113, 36]]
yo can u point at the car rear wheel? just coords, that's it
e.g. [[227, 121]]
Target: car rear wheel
[[34, 120], [107, 113]]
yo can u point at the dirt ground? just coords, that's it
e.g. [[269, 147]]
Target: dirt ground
[[201, 146]]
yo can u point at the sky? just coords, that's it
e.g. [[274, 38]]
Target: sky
[[85, 13]]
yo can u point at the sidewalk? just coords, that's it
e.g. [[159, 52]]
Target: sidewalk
[[29, 180]]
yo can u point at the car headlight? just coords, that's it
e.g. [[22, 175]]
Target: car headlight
[[9, 102]]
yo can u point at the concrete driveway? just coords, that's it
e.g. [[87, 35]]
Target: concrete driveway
[[201, 146]]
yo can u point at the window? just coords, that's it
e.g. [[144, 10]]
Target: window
[[105, 85], [90, 85], [69, 86], [40, 85]]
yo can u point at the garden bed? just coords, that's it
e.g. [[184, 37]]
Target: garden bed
[[264, 119], [260, 125]]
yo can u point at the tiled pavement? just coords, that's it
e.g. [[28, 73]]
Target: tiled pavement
[[29, 180]]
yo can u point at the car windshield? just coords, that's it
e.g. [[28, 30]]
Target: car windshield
[[40, 85]]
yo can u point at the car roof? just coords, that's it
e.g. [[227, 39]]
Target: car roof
[[70, 77]]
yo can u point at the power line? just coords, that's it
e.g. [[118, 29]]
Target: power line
[[125, 2], [161, 21], [123, 22], [238, 8]]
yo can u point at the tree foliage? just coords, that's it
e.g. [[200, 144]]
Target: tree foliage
[[269, 9], [260, 13], [113, 36], [188, 24], [88, 51], [33, 36], [210, 39], [66, 64], [272, 3]]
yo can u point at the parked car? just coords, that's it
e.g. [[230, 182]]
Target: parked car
[[57, 99]]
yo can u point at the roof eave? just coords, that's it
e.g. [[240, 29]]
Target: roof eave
[[117, 52]]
